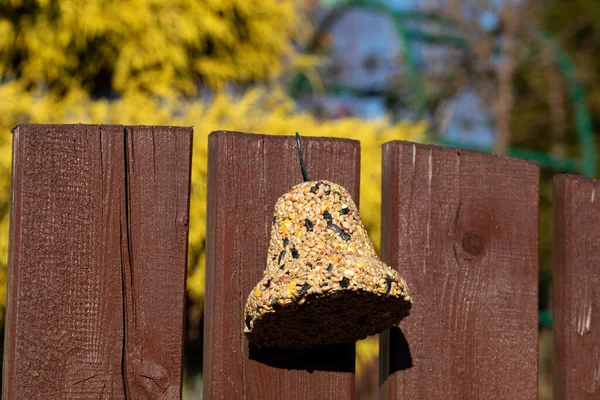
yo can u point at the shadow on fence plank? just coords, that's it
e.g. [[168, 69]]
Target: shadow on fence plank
[[398, 353], [322, 358]]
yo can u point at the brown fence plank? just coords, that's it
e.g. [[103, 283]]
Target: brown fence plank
[[247, 174], [79, 226], [159, 168], [461, 227], [576, 288]]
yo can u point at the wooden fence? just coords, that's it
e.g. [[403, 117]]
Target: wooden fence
[[97, 261], [98, 247]]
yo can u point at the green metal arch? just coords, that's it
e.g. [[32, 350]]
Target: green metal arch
[[587, 163]]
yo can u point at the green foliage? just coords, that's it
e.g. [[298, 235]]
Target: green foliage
[[544, 119], [576, 26]]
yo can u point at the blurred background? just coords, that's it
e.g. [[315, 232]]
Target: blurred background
[[516, 77]]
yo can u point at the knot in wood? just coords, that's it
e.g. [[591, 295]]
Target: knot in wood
[[472, 243]]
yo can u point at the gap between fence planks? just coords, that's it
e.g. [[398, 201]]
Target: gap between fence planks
[[462, 228], [246, 175], [576, 288], [97, 262]]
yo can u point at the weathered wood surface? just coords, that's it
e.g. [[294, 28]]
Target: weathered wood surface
[[576, 288], [246, 175], [97, 262], [462, 228]]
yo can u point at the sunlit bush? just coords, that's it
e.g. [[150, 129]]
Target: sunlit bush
[[156, 46]]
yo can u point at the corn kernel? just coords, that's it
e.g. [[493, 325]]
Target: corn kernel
[[286, 225], [291, 287]]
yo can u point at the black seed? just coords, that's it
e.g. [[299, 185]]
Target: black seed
[[329, 267], [327, 217], [248, 319], [274, 219], [338, 193], [315, 188], [281, 255], [275, 304], [286, 242], [304, 289], [267, 284], [388, 282], [335, 228], [345, 235], [344, 283], [282, 266], [295, 253], [328, 190], [345, 211], [309, 225]]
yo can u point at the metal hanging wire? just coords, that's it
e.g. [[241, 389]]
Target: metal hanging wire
[[302, 167]]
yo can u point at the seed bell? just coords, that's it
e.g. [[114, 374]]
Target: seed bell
[[323, 283]]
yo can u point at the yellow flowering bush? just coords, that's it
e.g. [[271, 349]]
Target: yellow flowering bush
[[157, 46], [257, 111]]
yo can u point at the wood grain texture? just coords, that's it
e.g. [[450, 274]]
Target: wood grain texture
[[246, 175], [97, 262], [576, 288], [462, 228]]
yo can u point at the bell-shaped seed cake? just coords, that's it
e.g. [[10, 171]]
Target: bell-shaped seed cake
[[324, 283]]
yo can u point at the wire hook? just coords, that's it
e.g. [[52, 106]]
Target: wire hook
[[302, 167]]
